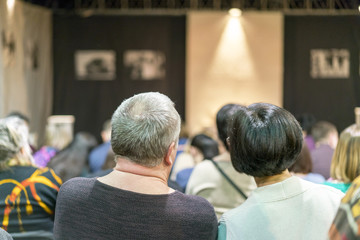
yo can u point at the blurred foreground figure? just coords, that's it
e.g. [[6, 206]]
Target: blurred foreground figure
[[134, 201], [27, 194], [347, 220], [265, 141]]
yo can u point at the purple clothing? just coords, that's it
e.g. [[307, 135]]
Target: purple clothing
[[321, 159], [310, 143], [43, 156], [89, 209]]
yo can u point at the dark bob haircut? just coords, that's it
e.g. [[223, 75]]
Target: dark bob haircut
[[223, 119], [264, 140]]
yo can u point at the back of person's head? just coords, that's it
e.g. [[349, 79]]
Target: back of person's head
[[13, 143], [322, 131], [264, 140], [106, 131], [206, 145], [70, 162], [306, 121], [19, 115], [58, 135], [143, 128], [223, 117], [345, 164], [303, 163]]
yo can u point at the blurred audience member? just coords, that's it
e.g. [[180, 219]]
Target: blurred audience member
[[346, 225], [98, 155], [183, 139], [326, 138], [302, 167], [26, 121], [71, 161], [265, 140], [346, 160], [216, 179], [27, 194], [21, 116], [306, 121], [201, 147], [58, 135], [134, 201], [183, 157]]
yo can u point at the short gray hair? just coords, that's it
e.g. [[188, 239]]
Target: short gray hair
[[143, 127]]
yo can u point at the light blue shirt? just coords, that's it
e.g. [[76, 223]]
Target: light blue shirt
[[98, 156], [292, 209]]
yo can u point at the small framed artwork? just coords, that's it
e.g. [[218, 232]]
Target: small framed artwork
[[95, 65], [145, 64]]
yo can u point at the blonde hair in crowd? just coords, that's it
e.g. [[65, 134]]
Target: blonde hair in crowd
[[14, 147], [345, 164]]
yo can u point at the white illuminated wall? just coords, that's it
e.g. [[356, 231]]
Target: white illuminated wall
[[231, 60]]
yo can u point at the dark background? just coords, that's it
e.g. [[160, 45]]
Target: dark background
[[332, 100], [93, 102]]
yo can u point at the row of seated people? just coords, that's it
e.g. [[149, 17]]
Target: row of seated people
[[134, 200]]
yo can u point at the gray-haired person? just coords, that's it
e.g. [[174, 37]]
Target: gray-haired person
[[134, 201]]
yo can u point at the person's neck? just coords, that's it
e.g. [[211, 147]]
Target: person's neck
[[130, 176], [264, 181]]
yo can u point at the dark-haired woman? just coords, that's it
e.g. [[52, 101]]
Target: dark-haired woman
[[264, 142]]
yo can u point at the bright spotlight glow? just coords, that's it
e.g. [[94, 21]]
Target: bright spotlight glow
[[232, 57], [235, 12], [10, 4], [359, 8]]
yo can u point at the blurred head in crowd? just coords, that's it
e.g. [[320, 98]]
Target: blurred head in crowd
[[204, 147], [14, 147], [19, 115], [223, 117], [345, 164], [106, 131], [306, 121], [303, 163], [325, 133], [58, 135]]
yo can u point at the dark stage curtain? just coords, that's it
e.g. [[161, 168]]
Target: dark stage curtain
[[92, 98], [321, 62]]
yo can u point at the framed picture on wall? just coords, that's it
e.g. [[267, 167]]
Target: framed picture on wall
[[145, 64], [329, 63], [95, 65]]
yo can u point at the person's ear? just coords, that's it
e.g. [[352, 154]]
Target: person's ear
[[171, 154]]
